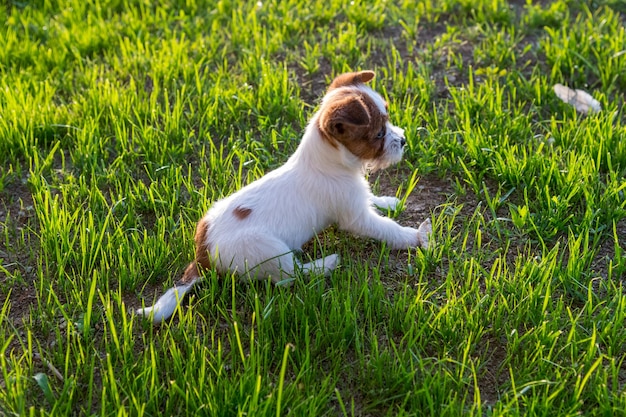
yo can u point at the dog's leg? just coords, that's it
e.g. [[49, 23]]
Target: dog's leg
[[324, 266], [371, 224], [269, 257], [385, 202], [256, 254]]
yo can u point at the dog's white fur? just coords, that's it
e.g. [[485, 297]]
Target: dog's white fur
[[255, 231]]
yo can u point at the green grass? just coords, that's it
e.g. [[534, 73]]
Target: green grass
[[121, 123]]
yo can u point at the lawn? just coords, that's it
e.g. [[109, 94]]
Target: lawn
[[122, 121]]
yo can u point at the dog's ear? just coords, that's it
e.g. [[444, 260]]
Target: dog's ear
[[343, 114], [352, 78]]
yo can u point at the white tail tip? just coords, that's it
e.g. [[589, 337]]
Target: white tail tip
[[166, 304]]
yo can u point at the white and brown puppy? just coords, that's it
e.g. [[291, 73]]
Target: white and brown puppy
[[255, 231]]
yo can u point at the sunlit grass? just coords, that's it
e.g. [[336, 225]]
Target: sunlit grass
[[121, 123]]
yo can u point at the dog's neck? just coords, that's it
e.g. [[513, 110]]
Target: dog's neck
[[314, 152]]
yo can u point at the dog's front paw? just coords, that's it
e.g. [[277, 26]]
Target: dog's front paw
[[386, 203], [424, 232]]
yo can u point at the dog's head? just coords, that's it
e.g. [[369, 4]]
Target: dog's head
[[355, 117]]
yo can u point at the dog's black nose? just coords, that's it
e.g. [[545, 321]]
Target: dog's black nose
[[402, 142]]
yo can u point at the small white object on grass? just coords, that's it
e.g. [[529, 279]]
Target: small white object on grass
[[581, 100]]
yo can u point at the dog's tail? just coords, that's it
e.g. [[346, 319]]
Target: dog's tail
[[167, 303]]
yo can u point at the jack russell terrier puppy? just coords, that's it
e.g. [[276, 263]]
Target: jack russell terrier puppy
[[255, 231]]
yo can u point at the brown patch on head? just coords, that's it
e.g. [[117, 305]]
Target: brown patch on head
[[242, 212], [202, 253], [352, 78], [352, 118]]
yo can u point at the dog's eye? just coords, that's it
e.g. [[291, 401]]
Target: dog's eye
[[381, 134]]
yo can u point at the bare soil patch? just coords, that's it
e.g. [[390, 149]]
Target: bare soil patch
[[17, 217]]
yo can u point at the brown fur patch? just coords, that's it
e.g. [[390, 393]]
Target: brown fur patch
[[353, 119], [202, 247], [352, 78], [325, 136], [348, 79], [191, 272], [202, 253], [242, 212]]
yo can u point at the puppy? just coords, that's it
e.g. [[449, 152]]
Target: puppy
[[255, 231]]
